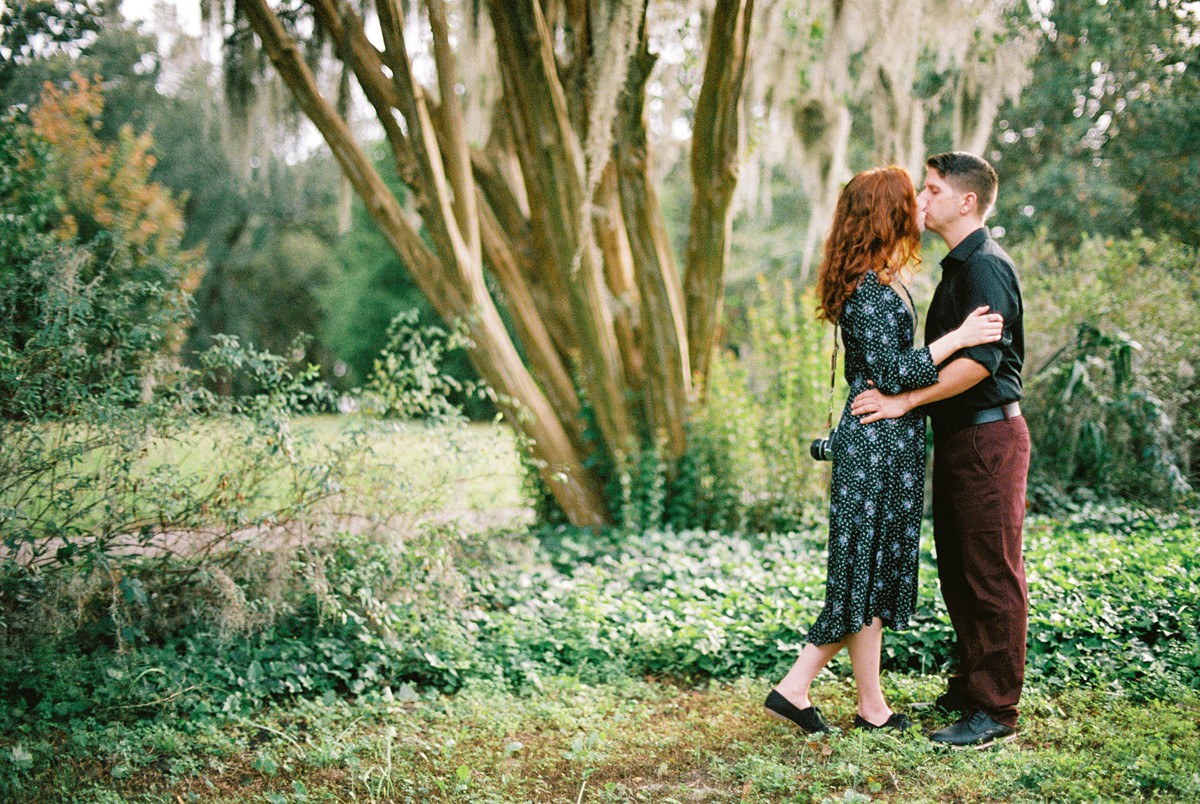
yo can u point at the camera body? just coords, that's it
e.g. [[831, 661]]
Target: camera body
[[821, 449]]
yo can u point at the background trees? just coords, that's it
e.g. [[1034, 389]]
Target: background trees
[[1104, 142], [1097, 142], [94, 286]]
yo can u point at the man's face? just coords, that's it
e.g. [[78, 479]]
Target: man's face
[[938, 204]]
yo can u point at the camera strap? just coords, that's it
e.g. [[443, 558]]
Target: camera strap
[[832, 376]]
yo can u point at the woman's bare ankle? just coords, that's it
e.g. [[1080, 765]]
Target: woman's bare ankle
[[796, 696]]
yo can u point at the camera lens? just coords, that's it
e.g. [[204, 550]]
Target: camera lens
[[822, 448]]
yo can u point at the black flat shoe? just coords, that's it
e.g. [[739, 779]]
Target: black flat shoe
[[897, 722], [808, 719]]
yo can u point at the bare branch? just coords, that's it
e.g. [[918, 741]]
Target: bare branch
[[454, 141]]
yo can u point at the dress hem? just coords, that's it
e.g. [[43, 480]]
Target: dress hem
[[891, 626]]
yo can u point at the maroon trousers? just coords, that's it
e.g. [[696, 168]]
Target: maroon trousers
[[979, 476]]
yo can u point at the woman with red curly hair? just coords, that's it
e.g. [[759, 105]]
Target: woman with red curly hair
[[877, 490]]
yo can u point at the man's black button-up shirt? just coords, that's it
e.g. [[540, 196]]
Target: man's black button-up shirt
[[977, 272]]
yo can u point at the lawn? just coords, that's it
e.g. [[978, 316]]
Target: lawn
[[474, 659], [632, 740]]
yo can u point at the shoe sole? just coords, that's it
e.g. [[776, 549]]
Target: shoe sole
[[992, 743]]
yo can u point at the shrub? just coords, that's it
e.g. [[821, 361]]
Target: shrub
[[1113, 398], [94, 287]]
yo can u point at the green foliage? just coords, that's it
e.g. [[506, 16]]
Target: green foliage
[[1114, 411], [696, 603], [789, 361], [628, 740], [707, 492], [32, 29], [409, 379], [104, 483], [371, 614], [82, 317], [267, 227], [1102, 140]]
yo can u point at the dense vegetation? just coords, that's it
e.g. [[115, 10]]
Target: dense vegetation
[[262, 659], [215, 588]]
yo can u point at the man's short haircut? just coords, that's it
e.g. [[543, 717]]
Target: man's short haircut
[[968, 173]]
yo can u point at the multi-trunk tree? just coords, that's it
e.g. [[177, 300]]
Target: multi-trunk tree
[[554, 216]]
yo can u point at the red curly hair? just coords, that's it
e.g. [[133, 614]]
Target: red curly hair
[[874, 229]]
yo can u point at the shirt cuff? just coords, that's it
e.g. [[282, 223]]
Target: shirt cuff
[[985, 354]]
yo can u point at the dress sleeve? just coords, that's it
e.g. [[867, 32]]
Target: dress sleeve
[[870, 318]]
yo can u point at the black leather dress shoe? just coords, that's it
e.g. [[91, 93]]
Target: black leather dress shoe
[[897, 722], [976, 730], [808, 719]]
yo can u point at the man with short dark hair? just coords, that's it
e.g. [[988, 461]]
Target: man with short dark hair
[[980, 456]]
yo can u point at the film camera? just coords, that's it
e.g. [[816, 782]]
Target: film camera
[[822, 448]]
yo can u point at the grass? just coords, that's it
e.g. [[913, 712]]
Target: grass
[[634, 741], [445, 470], [604, 736], [473, 467]]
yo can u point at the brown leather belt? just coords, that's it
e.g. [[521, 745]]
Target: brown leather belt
[[949, 425]]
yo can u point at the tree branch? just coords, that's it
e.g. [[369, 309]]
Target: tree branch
[[433, 191], [663, 319], [346, 31], [454, 141]]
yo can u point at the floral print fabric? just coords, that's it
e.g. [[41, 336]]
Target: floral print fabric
[[877, 493]]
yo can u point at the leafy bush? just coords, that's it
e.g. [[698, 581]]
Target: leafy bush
[[1113, 397], [408, 380], [94, 288]]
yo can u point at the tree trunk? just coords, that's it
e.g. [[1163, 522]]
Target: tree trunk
[[577, 246], [714, 175]]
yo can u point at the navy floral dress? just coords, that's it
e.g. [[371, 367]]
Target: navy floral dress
[[877, 493]]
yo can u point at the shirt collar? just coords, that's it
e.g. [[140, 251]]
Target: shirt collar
[[959, 255]]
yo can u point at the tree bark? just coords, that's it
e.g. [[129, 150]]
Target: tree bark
[[663, 317], [714, 175]]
